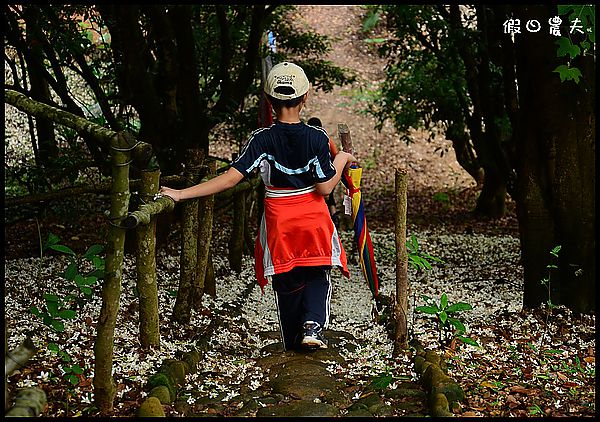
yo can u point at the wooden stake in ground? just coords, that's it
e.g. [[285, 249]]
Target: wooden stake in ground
[[401, 307], [146, 267], [104, 384]]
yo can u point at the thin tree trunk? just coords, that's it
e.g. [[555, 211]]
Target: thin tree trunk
[[210, 287], [401, 308], [205, 222], [236, 241], [104, 385], [146, 268], [182, 311]]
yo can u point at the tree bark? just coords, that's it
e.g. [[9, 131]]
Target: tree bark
[[40, 91], [555, 171], [186, 294], [210, 286], [401, 306], [236, 241], [104, 385], [149, 334], [205, 223]]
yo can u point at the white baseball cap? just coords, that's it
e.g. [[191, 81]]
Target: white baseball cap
[[286, 81]]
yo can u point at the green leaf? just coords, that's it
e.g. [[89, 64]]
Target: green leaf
[[460, 328], [427, 309], [382, 381], [93, 250], [172, 293], [443, 317], [47, 319], [72, 379], [77, 369], [58, 325], [64, 356], [67, 314], [35, 311], [71, 271], [459, 306], [86, 290], [565, 47], [63, 248], [67, 369], [51, 298], [563, 9], [568, 73], [98, 262], [555, 250], [444, 301], [52, 240], [52, 308], [53, 347], [468, 341]]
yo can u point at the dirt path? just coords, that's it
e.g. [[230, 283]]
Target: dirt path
[[379, 152]]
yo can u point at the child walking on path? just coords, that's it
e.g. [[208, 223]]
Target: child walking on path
[[297, 244]]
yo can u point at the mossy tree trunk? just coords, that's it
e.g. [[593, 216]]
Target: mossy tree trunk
[[205, 220], [146, 267], [104, 385], [182, 311], [401, 308]]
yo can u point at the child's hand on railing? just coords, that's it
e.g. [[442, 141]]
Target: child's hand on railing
[[174, 194]]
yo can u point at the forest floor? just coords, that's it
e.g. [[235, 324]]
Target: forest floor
[[531, 362]]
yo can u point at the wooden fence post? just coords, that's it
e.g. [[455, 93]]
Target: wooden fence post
[[149, 334], [401, 306], [182, 311], [205, 223], [104, 384]]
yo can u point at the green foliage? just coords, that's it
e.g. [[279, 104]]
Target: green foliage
[[417, 258], [423, 85], [575, 43], [449, 327], [58, 308]]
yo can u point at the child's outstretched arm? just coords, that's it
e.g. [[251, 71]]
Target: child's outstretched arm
[[215, 185]]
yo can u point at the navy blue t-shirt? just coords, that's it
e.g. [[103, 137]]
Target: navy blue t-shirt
[[292, 155]]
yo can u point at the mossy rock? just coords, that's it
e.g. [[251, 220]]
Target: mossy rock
[[419, 361], [192, 358], [175, 368], [434, 376], [162, 379], [451, 390], [162, 393], [439, 406], [433, 357], [151, 407]]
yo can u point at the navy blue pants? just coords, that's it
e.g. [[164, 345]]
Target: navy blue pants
[[302, 294]]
